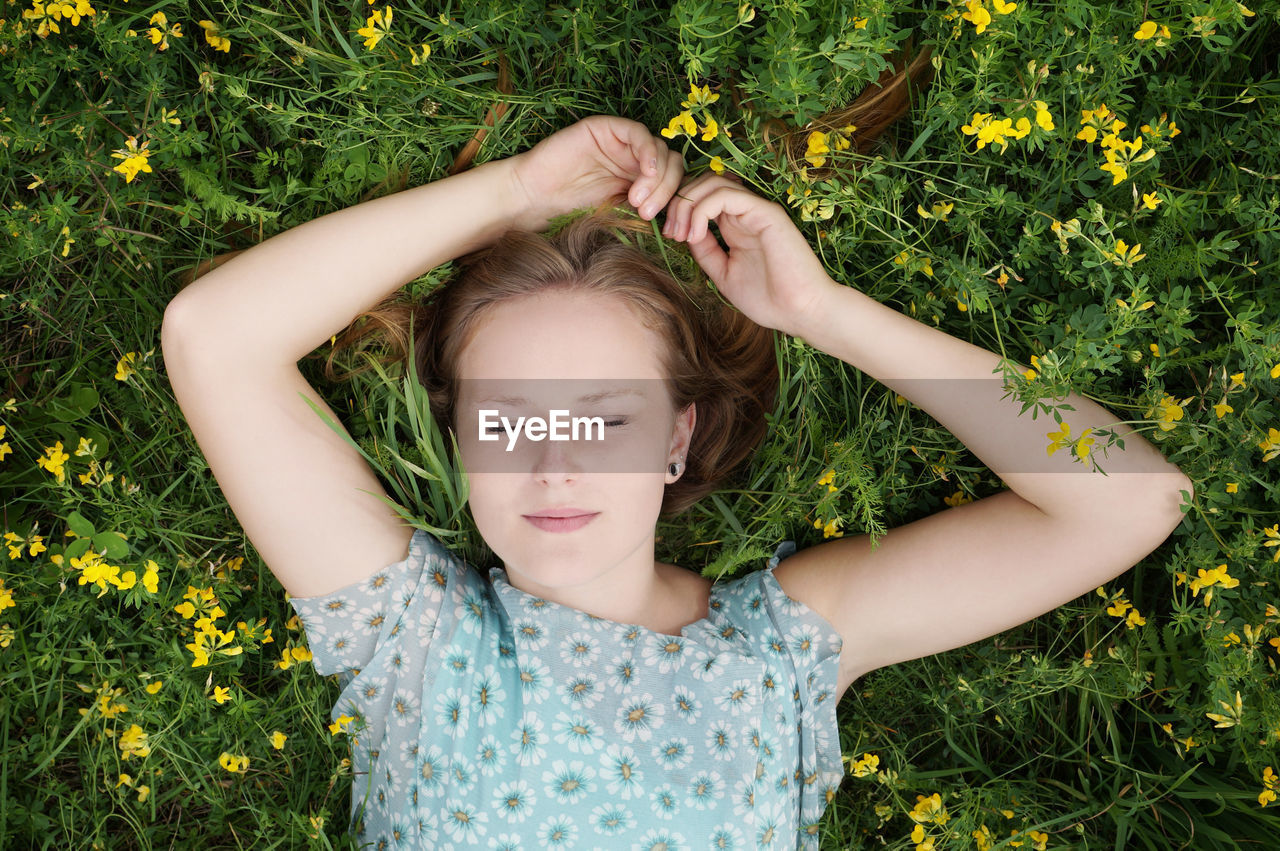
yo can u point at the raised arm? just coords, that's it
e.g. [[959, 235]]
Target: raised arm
[[281, 299], [307, 499]]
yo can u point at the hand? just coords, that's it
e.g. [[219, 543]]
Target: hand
[[770, 273], [602, 158]]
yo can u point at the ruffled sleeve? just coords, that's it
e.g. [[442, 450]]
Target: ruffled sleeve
[[346, 628], [813, 647]]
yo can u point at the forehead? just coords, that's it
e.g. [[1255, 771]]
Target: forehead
[[562, 335]]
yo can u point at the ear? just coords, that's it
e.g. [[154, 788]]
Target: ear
[[682, 434]]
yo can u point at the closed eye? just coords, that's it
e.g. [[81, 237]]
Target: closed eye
[[609, 423]]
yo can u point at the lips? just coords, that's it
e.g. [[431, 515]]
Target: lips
[[568, 511], [565, 519]]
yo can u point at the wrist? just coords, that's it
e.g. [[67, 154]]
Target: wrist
[[808, 323], [525, 211]]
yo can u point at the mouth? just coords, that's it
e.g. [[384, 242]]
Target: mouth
[[561, 520]]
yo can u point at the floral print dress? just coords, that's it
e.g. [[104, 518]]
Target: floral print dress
[[486, 717]]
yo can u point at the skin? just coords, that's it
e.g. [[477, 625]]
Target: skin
[[606, 568]]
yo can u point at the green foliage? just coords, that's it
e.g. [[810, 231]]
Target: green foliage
[[1080, 724]]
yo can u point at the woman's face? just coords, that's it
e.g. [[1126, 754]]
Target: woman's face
[[538, 357]]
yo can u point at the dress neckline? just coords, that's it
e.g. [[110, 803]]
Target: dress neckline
[[498, 574]]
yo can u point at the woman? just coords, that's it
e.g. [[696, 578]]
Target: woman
[[588, 695]]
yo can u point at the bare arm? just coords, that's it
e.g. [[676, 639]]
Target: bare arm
[[281, 299]]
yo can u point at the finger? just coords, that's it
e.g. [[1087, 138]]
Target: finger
[[696, 190], [723, 199], [711, 257], [664, 183]]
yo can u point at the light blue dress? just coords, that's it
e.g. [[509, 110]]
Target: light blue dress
[[489, 718]]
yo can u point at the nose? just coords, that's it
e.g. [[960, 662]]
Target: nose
[[554, 462]]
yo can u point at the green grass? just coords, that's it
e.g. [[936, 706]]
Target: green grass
[[1019, 732]]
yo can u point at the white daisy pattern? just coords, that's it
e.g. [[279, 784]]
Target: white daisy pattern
[[491, 718]]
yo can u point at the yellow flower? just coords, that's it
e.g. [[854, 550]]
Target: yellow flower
[[817, 147], [699, 97], [1222, 409], [232, 763], [1237, 379], [1275, 371], [929, 809], [1232, 487], [682, 123], [827, 476], [133, 742], [1147, 30], [161, 36], [375, 28], [710, 130], [221, 694], [717, 165], [211, 35], [1271, 445], [977, 15], [1151, 200], [340, 725], [420, 60], [1232, 716], [1271, 533], [868, 764], [278, 740], [134, 157], [1169, 411], [1124, 255]]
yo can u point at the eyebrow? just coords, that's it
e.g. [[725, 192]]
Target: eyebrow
[[588, 398]]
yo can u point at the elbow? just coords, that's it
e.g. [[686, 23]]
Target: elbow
[[1169, 497]]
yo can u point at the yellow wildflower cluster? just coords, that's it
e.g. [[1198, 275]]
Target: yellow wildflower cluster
[[1167, 412], [1206, 579], [94, 570], [819, 144], [289, 656], [1062, 438], [1150, 29], [207, 636], [868, 764], [993, 131], [811, 209], [375, 27], [915, 262], [928, 810], [1270, 531], [1122, 608], [1120, 154], [1268, 795], [985, 841], [133, 741], [143, 791], [1270, 445], [49, 15], [236, 764], [684, 123], [830, 528], [941, 211], [976, 13], [134, 159], [1126, 257]]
